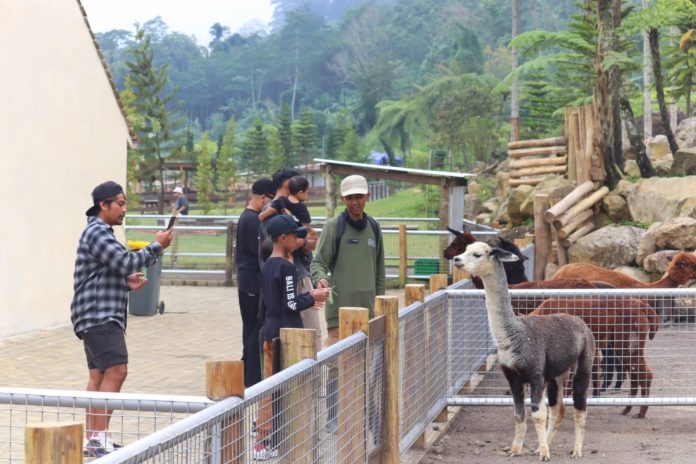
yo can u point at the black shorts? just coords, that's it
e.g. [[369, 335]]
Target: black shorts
[[105, 346]]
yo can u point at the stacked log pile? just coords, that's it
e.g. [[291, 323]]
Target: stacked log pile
[[571, 217], [531, 160]]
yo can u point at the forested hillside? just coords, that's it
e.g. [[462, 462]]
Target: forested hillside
[[343, 78]]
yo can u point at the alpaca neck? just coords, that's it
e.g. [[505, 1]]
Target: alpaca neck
[[665, 282], [502, 320]]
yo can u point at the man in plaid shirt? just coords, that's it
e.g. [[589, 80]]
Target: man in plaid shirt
[[104, 273]]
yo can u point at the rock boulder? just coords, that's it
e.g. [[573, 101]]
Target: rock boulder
[[686, 133], [609, 247], [684, 162], [658, 199]]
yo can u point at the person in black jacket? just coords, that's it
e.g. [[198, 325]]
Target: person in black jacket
[[282, 304], [248, 274]]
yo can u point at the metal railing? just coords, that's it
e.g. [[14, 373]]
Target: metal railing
[[201, 247], [134, 416]]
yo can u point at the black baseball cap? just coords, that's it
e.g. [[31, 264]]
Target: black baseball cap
[[263, 187], [101, 192], [283, 174], [281, 224]]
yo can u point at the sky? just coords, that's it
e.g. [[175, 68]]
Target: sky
[[192, 17]]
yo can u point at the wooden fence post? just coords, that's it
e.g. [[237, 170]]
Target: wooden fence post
[[300, 423], [437, 282], [53, 443], [389, 307], [351, 391], [459, 275], [413, 293], [222, 380], [403, 255], [542, 236], [229, 255]]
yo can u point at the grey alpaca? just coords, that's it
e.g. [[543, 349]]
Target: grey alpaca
[[535, 350]]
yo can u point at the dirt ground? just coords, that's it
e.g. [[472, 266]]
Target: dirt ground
[[484, 434]]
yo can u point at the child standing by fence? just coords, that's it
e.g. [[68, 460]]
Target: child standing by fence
[[281, 304]]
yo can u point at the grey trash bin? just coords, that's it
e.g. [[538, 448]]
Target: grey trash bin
[[145, 302]]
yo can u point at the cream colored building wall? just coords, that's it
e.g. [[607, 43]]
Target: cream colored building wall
[[61, 133]]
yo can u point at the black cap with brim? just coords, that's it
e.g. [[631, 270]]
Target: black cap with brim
[[101, 192], [282, 224]]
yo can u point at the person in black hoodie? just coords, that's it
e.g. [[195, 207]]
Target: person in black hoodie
[[282, 305]]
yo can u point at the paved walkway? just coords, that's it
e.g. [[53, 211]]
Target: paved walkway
[[167, 352]]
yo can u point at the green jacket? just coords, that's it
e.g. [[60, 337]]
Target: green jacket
[[359, 273]]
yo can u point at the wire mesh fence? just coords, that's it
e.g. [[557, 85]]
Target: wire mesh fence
[[134, 416], [646, 341], [313, 411]]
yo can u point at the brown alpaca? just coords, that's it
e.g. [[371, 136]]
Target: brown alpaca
[[622, 323], [527, 304], [681, 269]]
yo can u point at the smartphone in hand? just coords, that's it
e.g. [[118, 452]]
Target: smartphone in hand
[[171, 222]]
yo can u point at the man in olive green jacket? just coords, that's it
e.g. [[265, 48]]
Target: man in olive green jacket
[[354, 271]]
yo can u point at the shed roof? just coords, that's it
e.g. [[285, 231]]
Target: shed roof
[[397, 173], [131, 131]]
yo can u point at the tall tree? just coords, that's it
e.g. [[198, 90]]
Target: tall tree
[[304, 135], [205, 185], [654, 40], [285, 137], [515, 86], [155, 105], [227, 159], [647, 71], [255, 155]]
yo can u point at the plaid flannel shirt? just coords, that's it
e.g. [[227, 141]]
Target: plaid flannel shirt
[[100, 281]]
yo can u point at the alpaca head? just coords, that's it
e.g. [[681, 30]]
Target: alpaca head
[[682, 268], [481, 259], [461, 241]]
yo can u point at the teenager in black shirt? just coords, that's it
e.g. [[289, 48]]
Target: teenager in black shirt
[[248, 274], [282, 306]]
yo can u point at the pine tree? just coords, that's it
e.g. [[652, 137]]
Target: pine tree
[[350, 150], [205, 174], [227, 158], [304, 135], [255, 150], [285, 156], [155, 105]]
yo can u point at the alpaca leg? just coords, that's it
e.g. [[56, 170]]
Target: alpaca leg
[[517, 390], [579, 418], [556, 407], [539, 417], [607, 367], [646, 377], [633, 378]]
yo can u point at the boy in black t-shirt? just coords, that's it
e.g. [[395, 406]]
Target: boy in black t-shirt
[[282, 305], [293, 204]]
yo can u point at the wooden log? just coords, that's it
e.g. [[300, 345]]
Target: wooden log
[[563, 220], [588, 202], [437, 282], [460, 274], [534, 162], [300, 423], [403, 255], [413, 293], [522, 153], [561, 253], [390, 433], [528, 181], [536, 143], [542, 236], [581, 232], [574, 223], [537, 171], [571, 199], [330, 192], [222, 380], [351, 392], [53, 443], [229, 255]]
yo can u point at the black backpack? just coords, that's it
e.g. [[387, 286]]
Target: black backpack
[[341, 229]]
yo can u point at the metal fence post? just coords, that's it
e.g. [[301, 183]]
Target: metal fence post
[[296, 345], [403, 255], [351, 391], [53, 443], [389, 307], [222, 380]]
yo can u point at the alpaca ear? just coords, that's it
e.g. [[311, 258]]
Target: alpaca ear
[[455, 232], [504, 256]]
